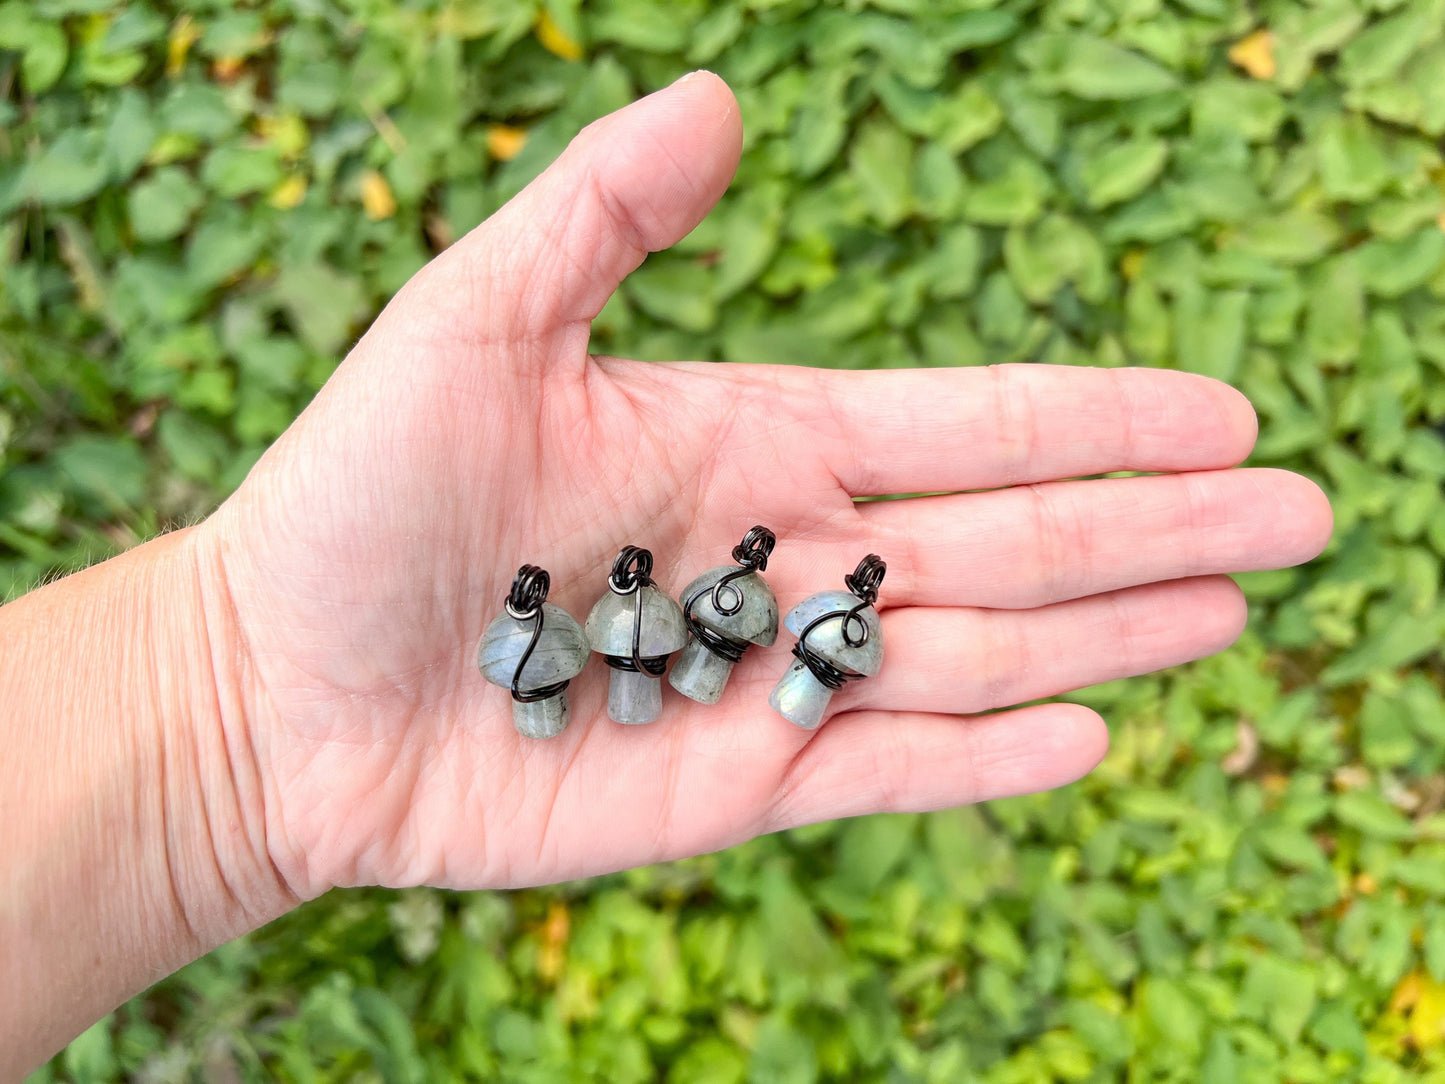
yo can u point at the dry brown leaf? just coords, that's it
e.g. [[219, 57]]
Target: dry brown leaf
[[1246, 749]]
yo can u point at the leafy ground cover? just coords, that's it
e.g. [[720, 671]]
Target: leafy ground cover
[[201, 204]]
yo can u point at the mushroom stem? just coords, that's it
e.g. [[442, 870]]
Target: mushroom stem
[[541, 718], [699, 674], [634, 696], [801, 698]]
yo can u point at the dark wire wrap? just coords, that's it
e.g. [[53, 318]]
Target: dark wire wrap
[[752, 555], [864, 582], [524, 603], [631, 572]]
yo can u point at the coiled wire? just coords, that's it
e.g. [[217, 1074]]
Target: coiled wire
[[631, 572], [524, 603], [864, 582], [751, 554]]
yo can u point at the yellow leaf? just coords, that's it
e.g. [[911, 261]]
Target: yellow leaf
[[1255, 54], [504, 143], [288, 193], [555, 932], [555, 40], [1407, 992], [93, 28], [1440, 220], [287, 132], [1427, 1018], [376, 196], [1366, 885], [1131, 263], [184, 34]]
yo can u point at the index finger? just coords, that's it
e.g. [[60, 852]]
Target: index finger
[[941, 430]]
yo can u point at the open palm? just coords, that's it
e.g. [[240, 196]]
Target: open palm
[[470, 432]]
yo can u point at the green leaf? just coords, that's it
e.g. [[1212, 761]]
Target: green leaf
[[110, 471], [1394, 268], [1097, 69], [1335, 313], [820, 126], [872, 847], [324, 304], [234, 33], [783, 1053], [1210, 332], [195, 448], [129, 134], [1292, 237], [1353, 163], [880, 160], [90, 1057], [1370, 814], [161, 205], [234, 171], [1243, 107], [1281, 993], [751, 226], [1380, 51], [1123, 171], [223, 244], [70, 170], [1169, 1015], [710, 1061], [45, 57], [1013, 198], [677, 292], [967, 118]]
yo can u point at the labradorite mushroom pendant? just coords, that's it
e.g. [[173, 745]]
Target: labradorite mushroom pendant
[[727, 610], [534, 649], [840, 639], [635, 627]]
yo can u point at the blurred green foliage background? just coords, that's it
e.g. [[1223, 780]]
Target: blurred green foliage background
[[202, 203]]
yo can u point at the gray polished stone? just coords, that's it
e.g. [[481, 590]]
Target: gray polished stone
[[798, 696], [609, 625], [755, 623], [801, 698], [542, 718], [561, 653], [699, 674], [827, 639], [634, 698]]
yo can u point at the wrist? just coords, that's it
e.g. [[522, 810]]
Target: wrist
[[216, 826], [131, 836]]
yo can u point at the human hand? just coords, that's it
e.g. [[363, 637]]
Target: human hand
[[348, 581]]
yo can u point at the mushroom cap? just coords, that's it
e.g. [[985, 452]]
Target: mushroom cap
[[756, 622], [560, 655], [826, 641], [609, 625]]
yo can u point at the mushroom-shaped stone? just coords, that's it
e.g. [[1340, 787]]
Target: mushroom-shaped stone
[[559, 655], [840, 638], [635, 631], [732, 615]]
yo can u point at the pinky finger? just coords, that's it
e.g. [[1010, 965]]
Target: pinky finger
[[894, 762]]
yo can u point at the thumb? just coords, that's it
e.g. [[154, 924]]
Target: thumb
[[634, 182]]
